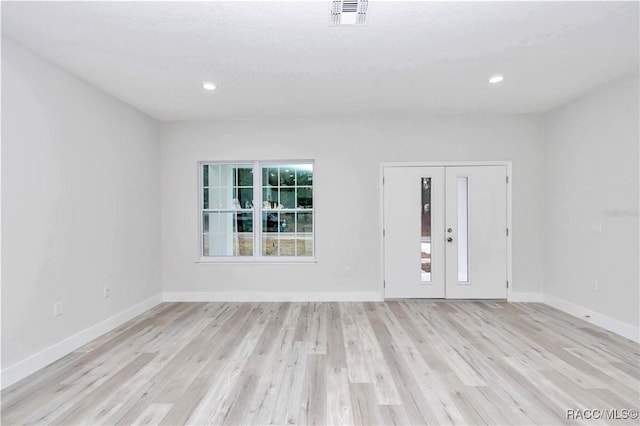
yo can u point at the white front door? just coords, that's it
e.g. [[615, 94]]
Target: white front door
[[414, 248], [445, 232]]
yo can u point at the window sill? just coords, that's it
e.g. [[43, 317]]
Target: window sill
[[254, 260]]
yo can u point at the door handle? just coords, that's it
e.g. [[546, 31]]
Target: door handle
[[449, 239]]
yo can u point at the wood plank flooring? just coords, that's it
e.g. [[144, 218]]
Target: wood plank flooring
[[392, 363]]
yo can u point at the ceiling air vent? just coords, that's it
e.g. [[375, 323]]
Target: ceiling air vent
[[348, 12]]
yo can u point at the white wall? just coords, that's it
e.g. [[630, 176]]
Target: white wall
[[80, 200], [348, 153], [591, 178]]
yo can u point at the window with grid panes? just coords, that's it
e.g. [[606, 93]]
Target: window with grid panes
[[257, 210]]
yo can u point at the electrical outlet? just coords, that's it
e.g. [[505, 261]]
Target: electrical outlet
[[595, 285], [596, 228], [347, 271], [107, 292], [57, 309]]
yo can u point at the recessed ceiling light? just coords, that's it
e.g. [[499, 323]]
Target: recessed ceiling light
[[496, 78], [207, 85]]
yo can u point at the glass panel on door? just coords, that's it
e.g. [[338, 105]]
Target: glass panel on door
[[425, 233]]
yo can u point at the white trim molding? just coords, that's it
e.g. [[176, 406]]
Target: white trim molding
[[621, 328], [273, 296], [35, 362]]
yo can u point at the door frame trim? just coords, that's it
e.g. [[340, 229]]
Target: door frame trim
[[507, 163]]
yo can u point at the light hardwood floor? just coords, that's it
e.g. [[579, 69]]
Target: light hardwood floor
[[405, 362]]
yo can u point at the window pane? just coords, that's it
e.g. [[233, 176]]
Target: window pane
[[304, 245], [288, 198], [287, 176], [245, 245], [269, 245], [270, 176], [304, 222], [305, 175], [287, 244], [305, 198], [463, 250], [245, 198], [245, 176], [270, 197], [425, 235], [244, 222], [270, 222], [287, 222]]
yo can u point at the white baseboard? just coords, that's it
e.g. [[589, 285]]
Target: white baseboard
[[272, 296], [622, 328], [22, 369], [525, 297]]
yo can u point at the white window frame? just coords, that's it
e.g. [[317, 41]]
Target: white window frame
[[257, 257]]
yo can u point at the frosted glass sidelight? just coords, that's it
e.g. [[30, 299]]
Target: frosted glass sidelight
[[463, 229]]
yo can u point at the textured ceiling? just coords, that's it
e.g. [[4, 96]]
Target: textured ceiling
[[282, 59]]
